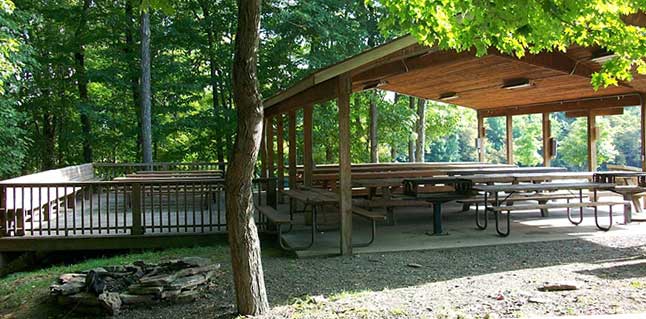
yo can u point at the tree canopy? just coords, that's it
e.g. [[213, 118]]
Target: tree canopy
[[531, 26]]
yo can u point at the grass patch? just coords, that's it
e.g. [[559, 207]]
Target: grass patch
[[24, 294]]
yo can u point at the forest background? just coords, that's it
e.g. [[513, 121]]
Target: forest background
[[70, 88]]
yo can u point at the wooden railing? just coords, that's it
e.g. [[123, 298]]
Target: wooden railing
[[111, 208], [108, 171]]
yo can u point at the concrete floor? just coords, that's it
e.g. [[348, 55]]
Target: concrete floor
[[410, 231]]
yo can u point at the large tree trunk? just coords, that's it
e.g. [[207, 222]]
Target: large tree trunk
[[133, 72], [411, 142], [81, 78], [146, 126], [421, 130], [248, 276], [374, 155]]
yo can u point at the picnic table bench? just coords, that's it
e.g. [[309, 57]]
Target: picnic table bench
[[631, 185], [508, 191], [314, 198]]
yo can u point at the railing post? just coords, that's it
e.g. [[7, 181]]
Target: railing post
[[137, 210], [272, 198]]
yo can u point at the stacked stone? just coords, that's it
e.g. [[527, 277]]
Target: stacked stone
[[105, 290]]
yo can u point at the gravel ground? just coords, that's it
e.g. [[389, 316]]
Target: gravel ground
[[479, 282]]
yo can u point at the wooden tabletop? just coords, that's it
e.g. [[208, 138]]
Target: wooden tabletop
[[312, 195], [621, 173], [527, 177], [506, 170], [542, 187], [377, 182]]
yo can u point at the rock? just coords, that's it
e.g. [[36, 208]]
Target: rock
[[170, 294], [145, 290], [128, 299], [537, 300], [65, 278], [197, 270], [157, 280], [500, 296], [490, 315], [195, 261], [67, 289], [559, 286], [414, 265], [189, 282], [319, 299], [111, 302]]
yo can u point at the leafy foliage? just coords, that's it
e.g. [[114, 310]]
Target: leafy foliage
[[518, 27]]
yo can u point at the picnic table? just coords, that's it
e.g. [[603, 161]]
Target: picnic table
[[508, 190], [630, 193], [458, 188], [316, 198]]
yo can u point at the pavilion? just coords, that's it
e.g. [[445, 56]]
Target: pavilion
[[494, 85]]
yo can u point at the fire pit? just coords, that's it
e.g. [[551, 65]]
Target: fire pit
[[107, 289]]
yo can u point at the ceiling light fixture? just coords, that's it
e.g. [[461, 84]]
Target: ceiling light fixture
[[602, 56], [515, 84], [448, 96]]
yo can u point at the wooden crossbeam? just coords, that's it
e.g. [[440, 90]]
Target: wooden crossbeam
[[565, 106], [599, 112]]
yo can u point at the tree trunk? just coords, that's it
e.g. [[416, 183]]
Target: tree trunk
[[133, 73], [421, 130], [146, 127], [374, 155], [411, 142], [213, 74], [393, 153], [248, 276], [49, 134], [81, 79]]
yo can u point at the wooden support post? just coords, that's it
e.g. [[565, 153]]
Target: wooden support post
[[547, 136], [270, 147], [344, 89], [263, 153], [643, 130], [481, 138], [137, 210], [510, 140], [280, 168], [307, 146], [592, 143], [292, 149]]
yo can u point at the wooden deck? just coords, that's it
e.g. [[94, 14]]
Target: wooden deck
[[114, 215]]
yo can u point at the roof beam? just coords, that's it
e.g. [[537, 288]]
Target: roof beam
[[313, 95], [432, 58], [565, 106]]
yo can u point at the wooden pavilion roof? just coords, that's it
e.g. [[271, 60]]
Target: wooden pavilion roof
[[559, 81]]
